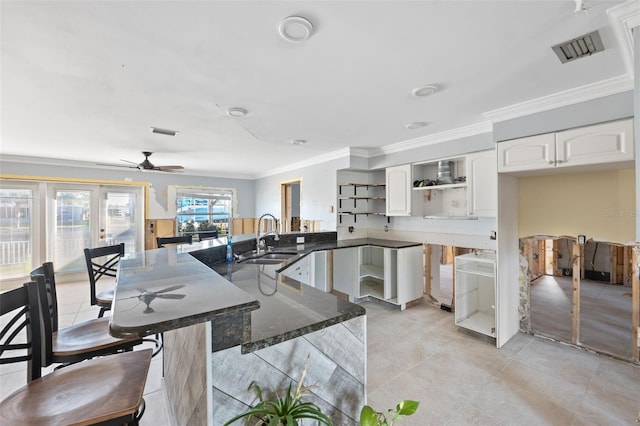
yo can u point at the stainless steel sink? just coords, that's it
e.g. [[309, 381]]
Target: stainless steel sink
[[268, 258], [280, 256]]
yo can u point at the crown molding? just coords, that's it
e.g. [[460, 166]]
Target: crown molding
[[623, 18], [334, 155], [588, 92], [445, 136]]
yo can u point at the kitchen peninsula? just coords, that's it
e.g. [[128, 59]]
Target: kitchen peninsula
[[219, 336]]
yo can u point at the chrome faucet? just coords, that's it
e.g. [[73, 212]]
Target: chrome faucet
[[259, 237]]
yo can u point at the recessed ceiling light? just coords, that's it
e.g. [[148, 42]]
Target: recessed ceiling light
[[424, 90], [415, 125], [298, 142], [236, 112], [295, 28], [161, 131]]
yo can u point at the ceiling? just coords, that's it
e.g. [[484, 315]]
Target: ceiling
[[85, 81]]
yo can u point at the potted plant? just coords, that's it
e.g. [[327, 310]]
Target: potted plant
[[281, 411], [370, 417]]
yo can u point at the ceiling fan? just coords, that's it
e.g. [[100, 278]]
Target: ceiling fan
[[147, 165]]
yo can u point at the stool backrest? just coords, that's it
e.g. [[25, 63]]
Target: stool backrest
[[184, 239], [21, 334], [46, 270], [107, 266]]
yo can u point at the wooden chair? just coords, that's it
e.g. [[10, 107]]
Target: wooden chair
[[185, 239], [102, 261], [101, 391], [80, 341]]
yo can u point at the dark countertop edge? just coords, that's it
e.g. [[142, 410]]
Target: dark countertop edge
[[270, 341], [339, 244], [160, 327]]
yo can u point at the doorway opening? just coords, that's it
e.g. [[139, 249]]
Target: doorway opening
[[290, 202], [592, 309]]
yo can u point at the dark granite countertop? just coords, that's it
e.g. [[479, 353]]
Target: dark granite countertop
[[179, 289], [186, 285], [288, 309]]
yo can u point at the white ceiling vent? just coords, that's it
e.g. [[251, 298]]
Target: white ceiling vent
[[579, 47]]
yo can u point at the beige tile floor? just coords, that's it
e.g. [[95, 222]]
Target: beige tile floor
[[459, 379]]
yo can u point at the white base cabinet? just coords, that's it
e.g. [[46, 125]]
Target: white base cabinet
[[475, 292], [392, 275], [311, 270]]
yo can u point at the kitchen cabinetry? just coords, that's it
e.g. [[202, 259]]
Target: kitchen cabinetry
[[392, 275], [442, 188], [312, 270], [362, 199], [475, 292], [585, 146], [400, 200], [482, 181]]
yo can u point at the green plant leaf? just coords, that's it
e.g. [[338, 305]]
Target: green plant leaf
[[407, 407], [368, 416]]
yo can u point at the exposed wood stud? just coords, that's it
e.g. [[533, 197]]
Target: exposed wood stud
[[577, 268], [613, 271], [627, 267], [635, 303], [427, 269]]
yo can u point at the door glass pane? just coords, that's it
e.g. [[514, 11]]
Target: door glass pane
[[72, 230], [15, 232], [120, 220]]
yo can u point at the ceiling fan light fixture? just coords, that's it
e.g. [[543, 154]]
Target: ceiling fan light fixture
[[415, 125], [162, 131], [423, 91], [237, 112], [295, 28]]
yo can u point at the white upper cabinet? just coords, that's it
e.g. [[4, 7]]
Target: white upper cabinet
[[532, 153], [398, 190], [603, 143], [599, 144], [482, 184]]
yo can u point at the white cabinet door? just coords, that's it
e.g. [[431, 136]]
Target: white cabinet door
[[410, 274], [299, 271], [345, 271], [318, 270], [602, 143], [482, 184], [531, 153], [398, 190]]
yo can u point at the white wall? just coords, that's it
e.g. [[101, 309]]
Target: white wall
[[317, 192]]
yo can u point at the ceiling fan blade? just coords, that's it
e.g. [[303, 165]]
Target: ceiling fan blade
[[173, 287], [170, 296], [116, 165], [169, 168], [130, 162]]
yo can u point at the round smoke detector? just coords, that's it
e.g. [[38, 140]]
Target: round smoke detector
[[295, 28]]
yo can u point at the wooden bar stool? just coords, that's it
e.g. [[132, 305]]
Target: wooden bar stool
[[101, 391], [80, 341], [102, 261]]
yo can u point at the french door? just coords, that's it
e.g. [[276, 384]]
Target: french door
[[82, 216], [54, 221]]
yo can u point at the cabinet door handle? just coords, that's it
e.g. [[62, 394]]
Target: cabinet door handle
[[551, 162], [559, 161]]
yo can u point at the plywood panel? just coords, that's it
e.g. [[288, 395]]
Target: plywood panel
[[157, 228]]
